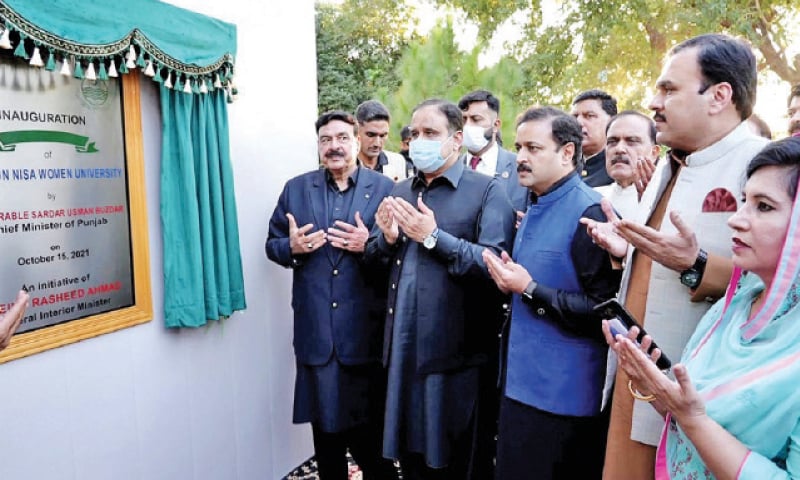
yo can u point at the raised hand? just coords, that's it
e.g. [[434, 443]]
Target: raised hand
[[352, 238], [675, 251], [679, 397], [385, 220], [645, 168], [509, 276], [416, 224], [9, 321], [300, 241], [604, 234]]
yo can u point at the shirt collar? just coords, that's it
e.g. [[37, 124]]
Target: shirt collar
[[351, 180], [554, 187], [452, 176], [720, 148]]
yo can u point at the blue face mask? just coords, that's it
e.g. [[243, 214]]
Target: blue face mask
[[426, 154]]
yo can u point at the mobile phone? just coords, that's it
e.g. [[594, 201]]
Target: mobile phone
[[620, 321]]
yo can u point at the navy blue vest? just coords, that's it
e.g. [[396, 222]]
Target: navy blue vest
[[549, 367]]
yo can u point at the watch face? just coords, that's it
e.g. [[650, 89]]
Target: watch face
[[690, 279], [429, 242]]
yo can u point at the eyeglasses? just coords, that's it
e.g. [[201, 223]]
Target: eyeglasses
[[343, 138]]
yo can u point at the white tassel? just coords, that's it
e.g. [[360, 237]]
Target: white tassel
[[217, 83], [148, 70], [168, 81], [65, 67], [5, 39], [90, 75], [131, 63], [203, 87], [187, 87], [112, 69], [36, 58]]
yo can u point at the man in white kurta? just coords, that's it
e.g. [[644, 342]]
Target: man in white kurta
[[630, 140], [705, 92]]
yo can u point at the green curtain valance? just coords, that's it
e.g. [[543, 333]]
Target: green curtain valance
[[183, 50]]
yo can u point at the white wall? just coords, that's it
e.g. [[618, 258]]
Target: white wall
[[211, 403]]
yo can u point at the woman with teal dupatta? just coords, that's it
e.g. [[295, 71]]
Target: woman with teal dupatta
[[733, 410]]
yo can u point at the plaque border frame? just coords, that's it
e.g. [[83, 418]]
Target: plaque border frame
[[46, 338]]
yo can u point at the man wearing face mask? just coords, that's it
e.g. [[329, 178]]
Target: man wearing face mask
[[481, 112], [443, 309]]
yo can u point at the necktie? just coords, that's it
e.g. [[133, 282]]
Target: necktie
[[473, 163]]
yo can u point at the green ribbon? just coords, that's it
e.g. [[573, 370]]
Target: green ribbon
[[9, 140]]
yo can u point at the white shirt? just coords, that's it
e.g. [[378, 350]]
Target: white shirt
[[624, 199], [488, 163]]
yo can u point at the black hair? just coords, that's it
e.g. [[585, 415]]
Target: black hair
[[405, 133], [780, 153], [607, 102], [480, 96], [371, 111], [332, 115], [651, 130], [455, 120], [565, 128], [726, 59]]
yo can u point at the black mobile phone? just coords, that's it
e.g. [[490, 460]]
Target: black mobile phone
[[620, 321]]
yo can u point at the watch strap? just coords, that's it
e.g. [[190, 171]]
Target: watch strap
[[696, 271]]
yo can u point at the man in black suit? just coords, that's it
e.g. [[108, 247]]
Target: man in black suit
[[482, 123], [594, 109], [319, 229]]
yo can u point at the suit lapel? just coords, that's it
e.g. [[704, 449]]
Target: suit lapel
[[504, 166]]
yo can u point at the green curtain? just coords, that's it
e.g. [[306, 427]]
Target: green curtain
[[202, 264]]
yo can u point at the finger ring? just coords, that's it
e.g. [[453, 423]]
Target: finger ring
[[310, 245], [345, 243]]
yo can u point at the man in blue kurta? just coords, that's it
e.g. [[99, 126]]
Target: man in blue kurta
[[319, 229], [443, 309], [551, 425]]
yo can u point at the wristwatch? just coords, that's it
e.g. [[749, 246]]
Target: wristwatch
[[527, 294], [429, 242], [692, 276]]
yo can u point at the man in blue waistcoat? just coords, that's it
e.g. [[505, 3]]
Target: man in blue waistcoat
[[319, 229], [551, 424]]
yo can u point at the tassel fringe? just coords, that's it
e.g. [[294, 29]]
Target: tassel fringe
[[120, 62], [65, 67], [112, 69], [5, 39], [90, 75], [36, 58]]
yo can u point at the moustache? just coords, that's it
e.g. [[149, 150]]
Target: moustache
[[659, 117], [524, 168], [335, 153], [620, 159]]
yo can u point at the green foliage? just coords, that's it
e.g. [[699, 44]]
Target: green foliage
[[616, 45], [487, 14], [436, 68], [358, 44]]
